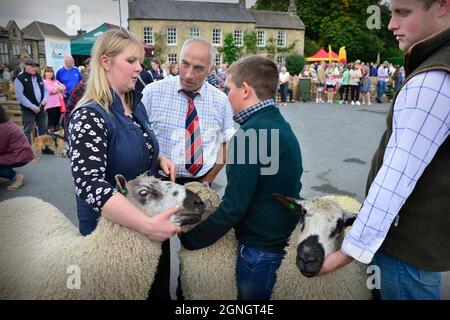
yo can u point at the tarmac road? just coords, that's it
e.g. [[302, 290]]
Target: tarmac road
[[337, 144]]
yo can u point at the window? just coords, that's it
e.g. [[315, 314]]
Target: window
[[4, 53], [218, 60], [281, 60], [217, 37], [148, 35], [281, 39], [261, 38], [195, 32], [172, 36], [172, 58], [238, 38], [29, 50], [16, 49]]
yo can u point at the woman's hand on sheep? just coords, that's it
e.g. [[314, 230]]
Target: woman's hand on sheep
[[334, 261], [159, 227], [168, 167]]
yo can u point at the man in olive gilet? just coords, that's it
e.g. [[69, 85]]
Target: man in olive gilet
[[403, 226]]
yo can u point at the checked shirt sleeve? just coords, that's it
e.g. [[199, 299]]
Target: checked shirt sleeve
[[421, 124]]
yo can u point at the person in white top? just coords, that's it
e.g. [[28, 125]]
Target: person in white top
[[284, 84], [355, 76], [331, 75]]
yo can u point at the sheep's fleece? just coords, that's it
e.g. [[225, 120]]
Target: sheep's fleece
[[39, 256], [209, 273]]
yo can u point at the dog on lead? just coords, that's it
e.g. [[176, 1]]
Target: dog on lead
[[53, 141]]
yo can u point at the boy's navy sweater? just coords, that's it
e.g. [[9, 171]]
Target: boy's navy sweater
[[248, 204]]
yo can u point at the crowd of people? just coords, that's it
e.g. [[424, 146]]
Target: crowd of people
[[342, 83], [178, 125]]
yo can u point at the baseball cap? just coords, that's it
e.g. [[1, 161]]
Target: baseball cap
[[31, 63]]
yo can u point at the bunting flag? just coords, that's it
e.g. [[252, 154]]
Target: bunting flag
[[342, 55], [378, 59]]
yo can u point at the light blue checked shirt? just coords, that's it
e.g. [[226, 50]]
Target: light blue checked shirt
[[420, 125], [167, 107]]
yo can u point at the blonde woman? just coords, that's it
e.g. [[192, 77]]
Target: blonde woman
[[109, 133]]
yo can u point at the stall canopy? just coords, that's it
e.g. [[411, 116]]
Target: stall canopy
[[82, 45], [322, 55]]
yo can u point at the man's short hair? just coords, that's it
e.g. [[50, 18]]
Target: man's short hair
[[212, 51], [427, 3], [259, 72]]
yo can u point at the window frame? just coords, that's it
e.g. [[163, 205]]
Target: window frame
[[238, 34], [197, 32], [149, 34], [215, 36], [171, 35], [263, 38], [283, 40], [171, 60]]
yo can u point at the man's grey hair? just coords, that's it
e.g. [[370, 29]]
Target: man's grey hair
[[211, 49]]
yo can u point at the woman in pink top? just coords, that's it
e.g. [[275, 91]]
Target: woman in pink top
[[56, 92]]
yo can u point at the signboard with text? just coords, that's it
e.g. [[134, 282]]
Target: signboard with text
[[55, 51]]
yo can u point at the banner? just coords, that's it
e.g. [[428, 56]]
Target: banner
[[55, 51], [342, 55]]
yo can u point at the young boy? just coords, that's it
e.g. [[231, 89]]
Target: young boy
[[262, 225]]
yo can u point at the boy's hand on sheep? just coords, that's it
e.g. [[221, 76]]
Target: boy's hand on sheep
[[333, 262], [159, 227]]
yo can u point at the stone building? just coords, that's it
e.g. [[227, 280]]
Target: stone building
[[167, 24], [15, 45], [18, 44]]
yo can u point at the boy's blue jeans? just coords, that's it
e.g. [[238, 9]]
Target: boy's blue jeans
[[256, 272], [402, 281]]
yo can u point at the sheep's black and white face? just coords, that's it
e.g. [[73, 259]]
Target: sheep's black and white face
[[322, 223], [152, 196]]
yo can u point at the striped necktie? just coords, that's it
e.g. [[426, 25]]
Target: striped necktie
[[193, 138]]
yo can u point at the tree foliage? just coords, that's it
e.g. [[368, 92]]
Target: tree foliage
[[271, 47], [311, 47], [229, 49], [160, 46], [341, 23], [250, 41], [295, 63]]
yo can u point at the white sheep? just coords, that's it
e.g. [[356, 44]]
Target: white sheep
[[209, 273], [320, 232], [42, 254]]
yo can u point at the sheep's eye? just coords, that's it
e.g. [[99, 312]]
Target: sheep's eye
[[143, 193]]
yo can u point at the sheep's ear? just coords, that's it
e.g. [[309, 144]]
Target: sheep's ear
[[121, 184], [291, 203]]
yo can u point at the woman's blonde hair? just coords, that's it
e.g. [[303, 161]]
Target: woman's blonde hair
[[111, 43]]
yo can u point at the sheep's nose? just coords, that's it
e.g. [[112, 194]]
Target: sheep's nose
[[307, 258], [310, 255]]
